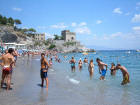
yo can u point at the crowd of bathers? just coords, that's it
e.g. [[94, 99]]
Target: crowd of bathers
[[9, 58]]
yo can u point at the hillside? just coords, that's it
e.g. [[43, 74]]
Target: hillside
[[9, 35]]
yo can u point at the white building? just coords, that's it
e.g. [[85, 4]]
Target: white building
[[39, 36], [15, 46]]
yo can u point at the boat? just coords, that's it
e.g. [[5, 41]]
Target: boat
[[128, 52], [85, 53]]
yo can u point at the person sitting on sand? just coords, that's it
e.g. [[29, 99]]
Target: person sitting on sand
[[91, 68], [102, 71], [80, 64], [85, 60], [125, 74], [44, 70], [7, 64], [113, 69], [72, 62]]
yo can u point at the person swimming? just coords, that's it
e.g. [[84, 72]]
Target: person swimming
[[102, 71], [72, 62]]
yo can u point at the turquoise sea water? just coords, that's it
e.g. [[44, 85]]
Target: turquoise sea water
[[109, 91]]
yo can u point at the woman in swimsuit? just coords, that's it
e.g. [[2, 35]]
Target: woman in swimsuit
[[91, 68], [80, 64], [113, 69]]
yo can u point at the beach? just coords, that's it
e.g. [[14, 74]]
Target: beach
[[67, 88]]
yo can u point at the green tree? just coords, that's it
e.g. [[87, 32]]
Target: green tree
[[4, 20], [10, 21], [46, 42], [61, 37], [56, 37], [31, 30], [17, 21], [52, 46], [24, 30], [1, 17]]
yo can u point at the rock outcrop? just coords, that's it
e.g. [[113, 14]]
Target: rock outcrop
[[9, 35]]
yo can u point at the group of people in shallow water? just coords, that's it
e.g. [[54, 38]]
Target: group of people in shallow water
[[9, 59], [102, 68]]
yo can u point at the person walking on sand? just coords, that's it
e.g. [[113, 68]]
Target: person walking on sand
[[91, 68], [72, 62], [102, 69], [44, 70], [125, 74], [7, 64], [80, 64]]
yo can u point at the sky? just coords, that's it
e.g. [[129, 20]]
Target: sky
[[99, 24]]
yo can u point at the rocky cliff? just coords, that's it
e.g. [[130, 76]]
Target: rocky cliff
[[9, 35]]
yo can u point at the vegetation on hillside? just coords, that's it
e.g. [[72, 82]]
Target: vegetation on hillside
[[57, 37], [11, 22], [52, 46], [69, 44]]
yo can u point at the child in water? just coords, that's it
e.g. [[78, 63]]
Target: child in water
[[91, 68], [113, 69], [125, 74], [50, 62]]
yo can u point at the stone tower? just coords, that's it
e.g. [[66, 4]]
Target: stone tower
[[68, 36]]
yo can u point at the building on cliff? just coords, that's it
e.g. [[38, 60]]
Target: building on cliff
[[68, 36], [39, 36]]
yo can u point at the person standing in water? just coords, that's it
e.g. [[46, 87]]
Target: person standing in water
[[86, 61], [7, 65], [102, 69], [44, 70], [113, 69], [91, 68], [80, 64], [72, 62], [125, 74]]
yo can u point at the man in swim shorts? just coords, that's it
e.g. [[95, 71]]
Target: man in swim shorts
[[7, 64], [72, 62], [44, 70], [102, 70], [125, 74]]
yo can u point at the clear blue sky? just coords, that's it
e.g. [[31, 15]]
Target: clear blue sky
[[101, 23]]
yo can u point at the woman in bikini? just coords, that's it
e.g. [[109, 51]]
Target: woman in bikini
[[80, 64]]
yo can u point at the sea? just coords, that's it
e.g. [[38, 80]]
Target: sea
[[75, 88], [108, 91]]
